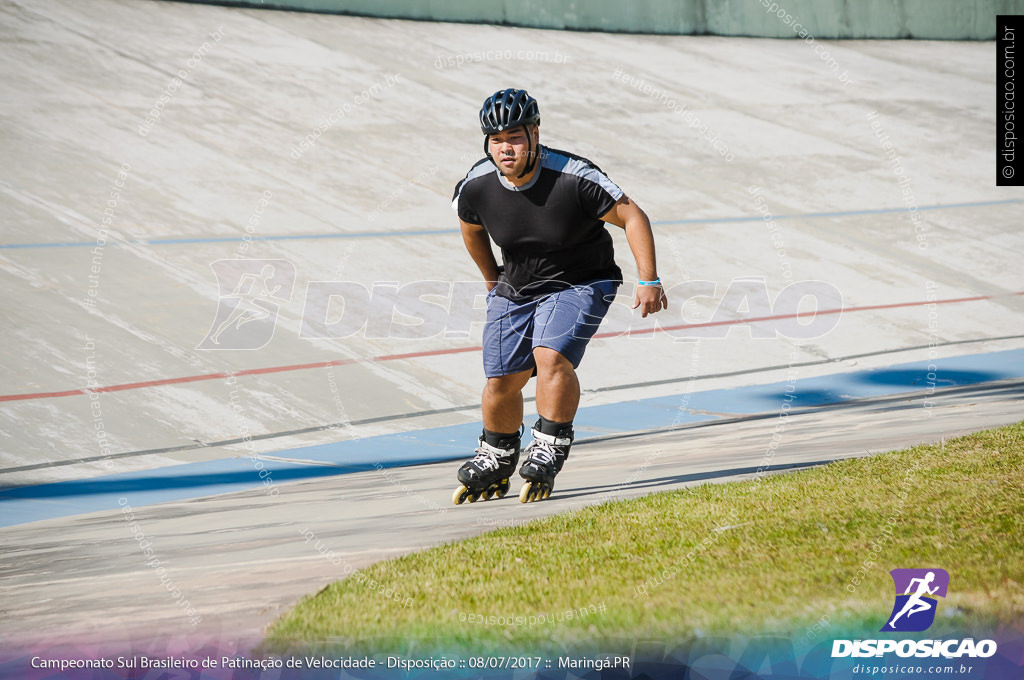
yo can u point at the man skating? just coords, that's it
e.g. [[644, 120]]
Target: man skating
[[546, 210]]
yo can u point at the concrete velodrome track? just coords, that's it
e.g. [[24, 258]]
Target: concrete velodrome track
[[145, 143]]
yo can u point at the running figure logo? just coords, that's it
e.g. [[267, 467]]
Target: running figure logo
[[251, 293], [914, 610]]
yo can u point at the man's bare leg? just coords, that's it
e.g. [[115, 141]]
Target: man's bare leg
[[488, 472], [558, 397], [558, 388], [502, 402]]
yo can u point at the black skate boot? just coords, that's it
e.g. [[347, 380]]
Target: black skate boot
[[488, 472], [545, 456]]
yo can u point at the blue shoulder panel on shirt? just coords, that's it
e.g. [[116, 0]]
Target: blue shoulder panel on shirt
[[579, 167]]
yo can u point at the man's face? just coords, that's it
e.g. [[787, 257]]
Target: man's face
[[510, 148]]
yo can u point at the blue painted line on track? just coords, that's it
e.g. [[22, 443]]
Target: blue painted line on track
[[436, 232], [216, 477]]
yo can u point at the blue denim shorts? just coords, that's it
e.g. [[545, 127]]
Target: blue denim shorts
[[564, 321]]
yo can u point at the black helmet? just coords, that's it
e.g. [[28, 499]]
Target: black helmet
[[507, 109]]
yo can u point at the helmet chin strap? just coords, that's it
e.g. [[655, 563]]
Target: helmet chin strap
[[531, 160], [487, 150]]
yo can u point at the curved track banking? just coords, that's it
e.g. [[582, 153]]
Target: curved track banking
[[106, 396], [451, 232], [896, 383], [107, 298], [474, 408], [742, 321]]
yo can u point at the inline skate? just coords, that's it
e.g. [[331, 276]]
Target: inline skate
[[487, 473], [545, 456]]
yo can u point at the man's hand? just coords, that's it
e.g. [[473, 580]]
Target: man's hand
[[628, 215], [650, 299]]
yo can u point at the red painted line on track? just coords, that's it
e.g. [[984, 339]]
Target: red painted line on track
[[460, 350], [821, 312]]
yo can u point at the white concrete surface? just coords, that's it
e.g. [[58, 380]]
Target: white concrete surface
[[80, 81]]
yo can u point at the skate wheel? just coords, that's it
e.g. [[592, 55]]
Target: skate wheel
[[486, 495], [535, 491], [502, 489], [462, 495]]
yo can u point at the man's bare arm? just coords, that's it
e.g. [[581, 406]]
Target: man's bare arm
[[628, 215], [479, 246]]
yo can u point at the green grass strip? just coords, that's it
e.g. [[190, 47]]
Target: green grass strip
[[805, 554]]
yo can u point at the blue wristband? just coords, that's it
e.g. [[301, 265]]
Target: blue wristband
[[655, 282]]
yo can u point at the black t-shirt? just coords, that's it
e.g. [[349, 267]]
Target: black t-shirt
[[550, 230]]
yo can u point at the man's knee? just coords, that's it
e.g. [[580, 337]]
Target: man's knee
[[551, 361], [507, 384]]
